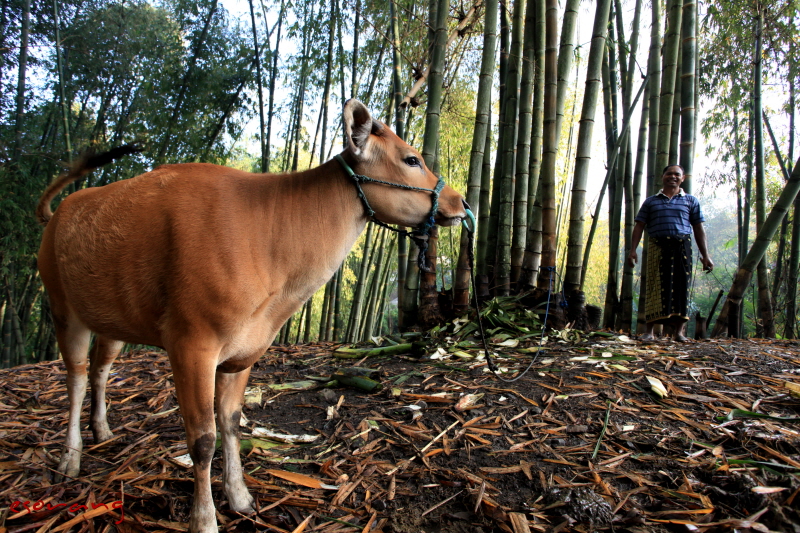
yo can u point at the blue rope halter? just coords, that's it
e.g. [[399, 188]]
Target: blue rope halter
[[422, 232]]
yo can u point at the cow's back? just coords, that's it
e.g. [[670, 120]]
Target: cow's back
[[125, 254]]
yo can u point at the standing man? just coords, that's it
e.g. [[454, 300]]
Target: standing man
[[669, 217]]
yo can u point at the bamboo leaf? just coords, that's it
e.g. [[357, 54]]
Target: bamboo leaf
[[300, 479], [657, 387]]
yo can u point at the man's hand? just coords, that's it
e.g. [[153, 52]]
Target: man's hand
[[633, 258], [708, 264]]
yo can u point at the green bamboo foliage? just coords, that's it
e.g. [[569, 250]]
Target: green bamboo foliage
[[197, 50], [575, 241], [478, 153]]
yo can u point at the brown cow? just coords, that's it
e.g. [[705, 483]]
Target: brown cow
[[208, 262]]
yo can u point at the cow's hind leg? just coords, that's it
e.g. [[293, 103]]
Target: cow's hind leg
[[73, 341], [229, 398], [193, 367], [102, 355]]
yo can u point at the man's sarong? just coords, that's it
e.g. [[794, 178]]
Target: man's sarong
[[669, 274]]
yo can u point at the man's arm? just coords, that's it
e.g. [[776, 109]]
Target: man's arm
[[702, 245], [638, 229]]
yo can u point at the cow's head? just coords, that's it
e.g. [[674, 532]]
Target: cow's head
[[375, 151]]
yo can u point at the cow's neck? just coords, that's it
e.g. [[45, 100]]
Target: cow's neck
[[321, 217]]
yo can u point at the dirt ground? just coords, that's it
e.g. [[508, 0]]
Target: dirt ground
[[582, 443]]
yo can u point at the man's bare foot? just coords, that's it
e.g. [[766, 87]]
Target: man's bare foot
[[647, 337], [681, 338]]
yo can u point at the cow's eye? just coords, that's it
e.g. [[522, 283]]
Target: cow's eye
[[412, 161]]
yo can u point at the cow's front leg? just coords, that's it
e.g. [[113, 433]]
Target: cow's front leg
[[193, 370], [229, 398]]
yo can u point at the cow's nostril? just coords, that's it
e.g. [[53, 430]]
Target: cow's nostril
[[465, 204]]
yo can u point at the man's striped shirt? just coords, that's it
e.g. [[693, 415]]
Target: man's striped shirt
[[665, 217]]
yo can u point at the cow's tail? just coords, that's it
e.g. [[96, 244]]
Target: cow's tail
[[83, 166]]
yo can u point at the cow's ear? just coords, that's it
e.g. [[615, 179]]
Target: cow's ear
[[358, 124]]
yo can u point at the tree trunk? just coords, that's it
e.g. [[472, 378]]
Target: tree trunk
[[614, 191], [575, 240], [326, 94], [759, 248], [790, 328], [549, 147], [484, 204], [359, 293], [687, 83], [533, 241], [273, 76], [523, 155], [19, 114], [61, 92], [764, 298], [337, 306], [402, 244], [489, 251], [565, 60], [609, 174], [631, 197], [777, 279], [509, 124], [654, 90], [429, 306], [384, 290], [668, 86], [257, 59], [675, 129], [372, 298], [478, 153], [354, 69]]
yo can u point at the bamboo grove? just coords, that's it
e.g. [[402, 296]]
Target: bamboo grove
[[553, 119]]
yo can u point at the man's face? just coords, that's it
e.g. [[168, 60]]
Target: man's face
[[672, 177]]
